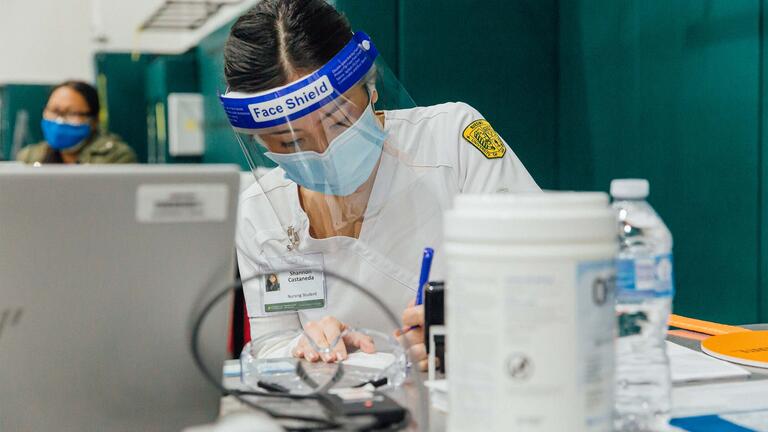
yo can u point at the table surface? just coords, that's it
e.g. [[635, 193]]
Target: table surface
[[408, 395], [756, 373]]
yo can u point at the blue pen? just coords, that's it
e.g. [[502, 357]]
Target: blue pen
[[426, 265]]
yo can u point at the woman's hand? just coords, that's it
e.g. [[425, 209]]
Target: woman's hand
[[323, 333], [414, 316]]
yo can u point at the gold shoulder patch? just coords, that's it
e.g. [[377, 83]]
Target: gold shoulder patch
[[481, 135]]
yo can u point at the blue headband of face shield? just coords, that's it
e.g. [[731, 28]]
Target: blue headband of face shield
[[252, 112]]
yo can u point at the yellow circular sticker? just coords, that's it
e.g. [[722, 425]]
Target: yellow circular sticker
[[481, 135], [748, 347]]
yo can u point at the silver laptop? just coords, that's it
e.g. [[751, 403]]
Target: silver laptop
[[100, 271]]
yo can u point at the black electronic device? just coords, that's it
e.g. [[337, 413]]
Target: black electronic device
[[434, 314], [357, 402]]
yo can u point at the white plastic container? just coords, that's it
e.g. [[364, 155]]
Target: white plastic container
[[530, 312]]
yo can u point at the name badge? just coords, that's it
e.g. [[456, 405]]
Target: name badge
[[294, 283]]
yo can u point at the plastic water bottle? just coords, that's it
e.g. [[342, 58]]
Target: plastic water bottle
[[644, 284]]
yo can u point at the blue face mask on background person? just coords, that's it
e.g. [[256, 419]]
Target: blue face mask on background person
[[61, 136], [345, 165]]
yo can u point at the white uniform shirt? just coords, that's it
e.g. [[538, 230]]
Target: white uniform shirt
[[386, 258]]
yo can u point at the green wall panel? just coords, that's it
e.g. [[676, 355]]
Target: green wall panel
[[169, 74], [165, 75], [220, 143], [669, 91], [378, 18], [762, 199], [121, 82], [498, 56], [15, 99]]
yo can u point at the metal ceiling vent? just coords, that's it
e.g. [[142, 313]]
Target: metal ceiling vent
[[184, 14]]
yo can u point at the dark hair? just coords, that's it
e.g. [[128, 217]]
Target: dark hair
[[87, 91], [277, 38], [91, 96]]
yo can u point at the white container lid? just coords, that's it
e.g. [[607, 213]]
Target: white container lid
[[544, 217], [630, 188]]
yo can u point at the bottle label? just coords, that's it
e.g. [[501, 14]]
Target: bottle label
[[645, 277], [665, 275]]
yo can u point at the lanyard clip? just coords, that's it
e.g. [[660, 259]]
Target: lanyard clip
[[293, 237]]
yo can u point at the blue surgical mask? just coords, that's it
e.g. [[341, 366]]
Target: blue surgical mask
[[62, 136], [345, 165]]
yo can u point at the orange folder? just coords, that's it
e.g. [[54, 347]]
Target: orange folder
[[701, 326]]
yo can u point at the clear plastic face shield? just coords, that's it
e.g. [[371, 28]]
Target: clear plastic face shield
[[327, 132], [332, 150]]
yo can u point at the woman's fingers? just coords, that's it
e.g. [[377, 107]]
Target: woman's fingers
[[304, 350], [329, 330], [418, 354], [413, 320], [413, 316], [314, 330], [332, 329], [413, 335], [424, 365], [322, 334], [361, 341]]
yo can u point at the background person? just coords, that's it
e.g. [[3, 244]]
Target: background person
[[71, 131]]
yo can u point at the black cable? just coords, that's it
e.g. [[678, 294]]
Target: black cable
[[240, 395], [376, 383], [302, 373], [323, 424], [272, 387]]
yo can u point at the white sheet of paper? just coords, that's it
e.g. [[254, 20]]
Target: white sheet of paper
[[742, 396], [379, 360], [689, 365], [756, 420]]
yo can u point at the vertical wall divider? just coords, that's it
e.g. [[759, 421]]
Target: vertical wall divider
[[762, 190]]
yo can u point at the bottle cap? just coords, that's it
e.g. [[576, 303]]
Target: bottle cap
[[630, 188]]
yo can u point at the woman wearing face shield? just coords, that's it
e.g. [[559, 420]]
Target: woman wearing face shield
[[362, 179], [70, 128]]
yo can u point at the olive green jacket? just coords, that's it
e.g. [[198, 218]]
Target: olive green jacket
[[100, 149]]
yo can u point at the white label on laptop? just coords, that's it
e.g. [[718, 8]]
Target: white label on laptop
[[294, 283], [164, 203]]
